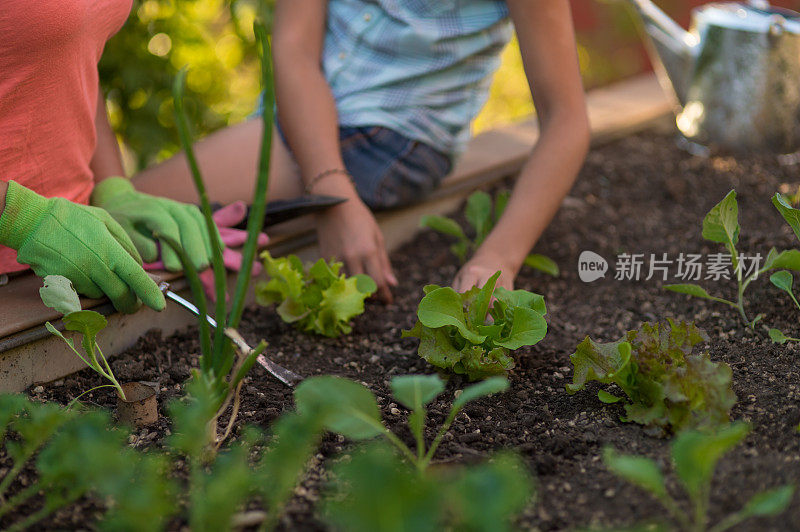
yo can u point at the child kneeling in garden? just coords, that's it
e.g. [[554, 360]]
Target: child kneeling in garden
[[374, 103]]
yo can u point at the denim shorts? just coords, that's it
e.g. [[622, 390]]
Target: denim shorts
[[389, 170]]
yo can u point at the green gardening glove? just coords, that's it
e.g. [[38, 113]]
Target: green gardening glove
[[84, 244], [141, 215]]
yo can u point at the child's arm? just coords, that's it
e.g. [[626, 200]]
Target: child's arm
[[308, 117], [547, 42], [107, 159]]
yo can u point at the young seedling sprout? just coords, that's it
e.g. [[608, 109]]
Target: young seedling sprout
[[350, 409], [784, 279], [695, 455], [482, 216], [59, 294], [721, 225]]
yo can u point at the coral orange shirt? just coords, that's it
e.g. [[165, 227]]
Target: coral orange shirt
[[49, 51]]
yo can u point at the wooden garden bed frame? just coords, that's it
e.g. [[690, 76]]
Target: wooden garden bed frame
[[30, 355]]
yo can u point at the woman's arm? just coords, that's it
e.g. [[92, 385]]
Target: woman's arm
[[3, 190], [107, 160], [547, 41], [307, 112]]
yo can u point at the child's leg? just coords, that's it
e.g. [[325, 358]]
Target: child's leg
[[228, 160]]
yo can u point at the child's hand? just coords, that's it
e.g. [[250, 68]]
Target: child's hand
[[478, 270], [350, 233]]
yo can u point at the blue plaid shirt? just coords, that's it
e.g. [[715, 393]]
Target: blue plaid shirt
[[419, 67]]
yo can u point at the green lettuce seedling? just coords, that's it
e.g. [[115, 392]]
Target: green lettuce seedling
[[695, 455], [319, 299], [376, 491], [58, 294], [721, 225], [350, 409], [455, 336], [480, 217], [377, 487], [666, 387], [78, 454]]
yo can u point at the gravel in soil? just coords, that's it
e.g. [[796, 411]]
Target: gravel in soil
[[639, 195]]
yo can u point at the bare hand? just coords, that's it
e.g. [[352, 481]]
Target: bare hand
[[479, 269], [350, 233]]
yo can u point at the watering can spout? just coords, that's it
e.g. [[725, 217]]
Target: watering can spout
[[673, 50]]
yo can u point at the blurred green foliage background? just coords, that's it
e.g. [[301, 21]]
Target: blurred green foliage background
[[215, 38]]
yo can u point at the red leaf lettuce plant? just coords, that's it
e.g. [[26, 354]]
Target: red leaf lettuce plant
[[666, 387]]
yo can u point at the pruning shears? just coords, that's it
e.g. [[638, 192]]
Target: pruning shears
[[289, 378]]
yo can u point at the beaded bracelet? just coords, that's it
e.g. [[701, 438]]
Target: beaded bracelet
[[317, 178]]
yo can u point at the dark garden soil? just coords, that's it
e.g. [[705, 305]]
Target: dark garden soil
[[639, 195]]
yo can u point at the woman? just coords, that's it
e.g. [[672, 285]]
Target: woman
[[374, 101], [58, 153]]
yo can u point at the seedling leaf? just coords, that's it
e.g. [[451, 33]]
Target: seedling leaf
[[416, 391], [777, 336], [637, 470], [782, 280], [365, 284], [49, 326], [58, 294], [443, 225], [596, 361], [86, 322], [721, 224], [771, 502], [478, 213], [543, 264], [521, 298], [689, 289], [375, 491], [482, 389], [696, 454], [788, 259], [478, 300], [500, 203], [789, 213], [344, 406], [608, 398], [503, 487]]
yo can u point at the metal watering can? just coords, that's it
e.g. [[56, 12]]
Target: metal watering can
[[735, 75]]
